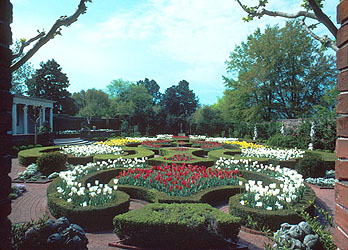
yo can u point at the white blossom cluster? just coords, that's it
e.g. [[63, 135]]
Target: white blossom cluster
[[164, 137], [268, 197], [67, 132], [221, 139], [197, 137], [93, 149], [279, 154], [141, 139], [71, 190]]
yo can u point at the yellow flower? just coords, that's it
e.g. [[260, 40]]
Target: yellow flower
[[117, 142]]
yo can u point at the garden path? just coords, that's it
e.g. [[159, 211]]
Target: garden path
[[32, 205]]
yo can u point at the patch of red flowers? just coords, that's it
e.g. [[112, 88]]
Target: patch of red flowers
[[207, 145], [179, 158], [179, 179], [154, 144]]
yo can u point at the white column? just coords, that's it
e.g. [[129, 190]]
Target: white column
[[14, 118], [43, 117], [25, 119], [51, 119]]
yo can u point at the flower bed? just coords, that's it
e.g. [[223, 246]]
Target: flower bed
[[178, 226], [76, 197], [322, 182], [273, 219], [129, 153], [178, 180], [205, 145], [279, 154], [119, 142], [90, 150]]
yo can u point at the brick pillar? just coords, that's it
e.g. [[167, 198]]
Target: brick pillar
[[5, 121], [341, 188]]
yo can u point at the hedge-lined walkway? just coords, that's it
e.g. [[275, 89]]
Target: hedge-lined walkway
[[33, 204]]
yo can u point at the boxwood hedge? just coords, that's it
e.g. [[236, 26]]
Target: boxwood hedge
[[130, 153], [177, 226], [91, 218], [273, 219]]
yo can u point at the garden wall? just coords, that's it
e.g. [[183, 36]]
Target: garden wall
[[5, 121], [341, 187], [67, 122]]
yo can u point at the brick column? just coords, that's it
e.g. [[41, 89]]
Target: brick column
[[5, 121], [341, 188]]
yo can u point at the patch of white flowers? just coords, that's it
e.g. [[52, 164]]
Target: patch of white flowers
[[221, 139], [71, 190], [74, 192], [268, 197], [164, 137], [141, 139], [279, 154], [93, 149]]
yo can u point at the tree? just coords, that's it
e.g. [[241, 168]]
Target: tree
[[42, 37], [281, 73], [207, 120], [92, 103], [118, 88], [22, 74], [51, 83], [312, 9], [152, 88], [178, 103]]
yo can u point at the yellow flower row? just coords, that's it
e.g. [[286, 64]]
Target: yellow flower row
[[244, 144], [117, 142]]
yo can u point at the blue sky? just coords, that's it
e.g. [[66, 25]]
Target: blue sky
[[164, 40]]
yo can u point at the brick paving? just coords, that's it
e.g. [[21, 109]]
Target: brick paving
[[32, 205]]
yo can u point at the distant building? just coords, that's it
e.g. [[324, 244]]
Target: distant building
[[22, 123]]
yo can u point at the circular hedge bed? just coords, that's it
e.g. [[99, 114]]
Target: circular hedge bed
[[273, 219], [91, 218]]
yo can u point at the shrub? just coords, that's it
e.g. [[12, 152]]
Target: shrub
[[51, 162], [311, 165], [178, 226], [287, 141]]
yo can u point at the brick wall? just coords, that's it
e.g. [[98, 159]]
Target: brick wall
[[341, 188], [5, 121]]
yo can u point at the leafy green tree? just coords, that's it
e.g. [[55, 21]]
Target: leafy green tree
[[178, 103], [152, 88], [92, 103], [280, 73], [51, 83], [208, 120], [22, 74], [118, 88]]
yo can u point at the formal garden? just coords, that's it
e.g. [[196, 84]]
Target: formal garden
[[183, 180]]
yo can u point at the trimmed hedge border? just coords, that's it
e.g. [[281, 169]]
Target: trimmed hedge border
[[273, 219], [29, 156], [177, 226], [90, 218]]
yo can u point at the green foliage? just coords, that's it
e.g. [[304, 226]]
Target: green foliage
[[152, 88], [177, 225], [99, 217], [51, 83], [311, 165], [272, 219], [325, 236], [266, 87], [45, 128], [18, 232], [51, 162], [92, 103], [207, 120], [286, 141]]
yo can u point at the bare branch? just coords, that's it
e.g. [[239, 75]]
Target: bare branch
[[25, 43], [323, 18], [55, 30], [325, 40], [261, 11]]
